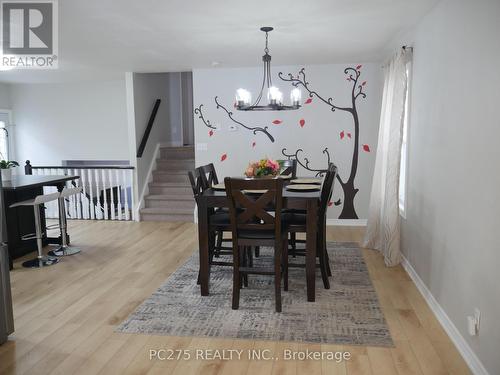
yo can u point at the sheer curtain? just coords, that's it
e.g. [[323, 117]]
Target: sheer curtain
[[383, 231]]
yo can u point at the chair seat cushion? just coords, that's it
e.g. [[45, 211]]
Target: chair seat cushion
[[292, 218], [220, 218], [256, 234]]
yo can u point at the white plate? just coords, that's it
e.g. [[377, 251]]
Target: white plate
[[307, 181], [219, 186], [255, 191], [284, 176], [304, 187]]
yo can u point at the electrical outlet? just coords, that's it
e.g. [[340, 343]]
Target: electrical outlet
[[473, 322], [477, 317], [201, 147]]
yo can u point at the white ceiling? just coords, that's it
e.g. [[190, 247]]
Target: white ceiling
[[102, 37]]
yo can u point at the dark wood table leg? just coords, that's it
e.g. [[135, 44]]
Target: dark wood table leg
[[311, 225], [203, 245]]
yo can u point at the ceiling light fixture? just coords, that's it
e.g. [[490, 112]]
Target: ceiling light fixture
[[274, 95]]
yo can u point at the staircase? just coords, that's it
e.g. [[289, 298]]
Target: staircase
[[170, 196]]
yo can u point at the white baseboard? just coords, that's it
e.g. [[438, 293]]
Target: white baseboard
[[347, 222], [461, 344]]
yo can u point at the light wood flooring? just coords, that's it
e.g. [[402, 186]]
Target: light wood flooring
[[65, 315]]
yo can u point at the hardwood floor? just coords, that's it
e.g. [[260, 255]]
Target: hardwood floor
[[65, 315]]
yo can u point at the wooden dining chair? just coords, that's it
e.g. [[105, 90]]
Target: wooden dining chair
[[252, 225], [208, 179], [289, 167], [218, 223], [296, 223], [209, 176]]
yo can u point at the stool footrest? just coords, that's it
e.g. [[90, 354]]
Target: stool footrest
[[30, 236]]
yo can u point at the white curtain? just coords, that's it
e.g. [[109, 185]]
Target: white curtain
[[383, 231]]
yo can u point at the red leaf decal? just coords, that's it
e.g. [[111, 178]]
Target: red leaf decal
[[366, 148], [308, 101], [277, 122], [342, 134], [330, 203], [253, 144], [364, 83], [210, 133], [223, 157], [302, 122], [349, 79], [349, 135], [359, 67], [235, 105]]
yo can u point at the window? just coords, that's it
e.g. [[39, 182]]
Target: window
[[4, 140], [403, 167]]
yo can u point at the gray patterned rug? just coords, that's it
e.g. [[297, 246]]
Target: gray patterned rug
[[348, 313]]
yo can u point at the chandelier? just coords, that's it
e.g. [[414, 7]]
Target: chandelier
[[274, 95]]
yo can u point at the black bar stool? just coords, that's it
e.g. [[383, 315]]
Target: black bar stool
[[65, 249]]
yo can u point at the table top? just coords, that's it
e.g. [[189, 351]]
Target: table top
[[286, 194], [29, 181]]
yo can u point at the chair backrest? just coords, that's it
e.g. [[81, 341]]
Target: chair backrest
[[70, 191], [209, 176], [327, 188], [44, 198], [196, 180], [248, 211], [289, 167]]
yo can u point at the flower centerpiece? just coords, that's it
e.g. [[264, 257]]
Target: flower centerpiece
[[262, 168]]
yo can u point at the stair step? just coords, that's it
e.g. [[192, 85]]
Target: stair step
[[183, 172], [166, 214], [169, 197], [161, 176], [177, 152], [172, 188], [157, 201], [175, 164]]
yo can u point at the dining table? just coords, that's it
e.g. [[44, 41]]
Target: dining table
[[307, 200]]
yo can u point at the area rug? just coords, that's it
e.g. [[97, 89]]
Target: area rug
[[348, 313]]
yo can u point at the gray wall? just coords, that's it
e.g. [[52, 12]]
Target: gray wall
[[70, 121], [450, 236], [5, 100]]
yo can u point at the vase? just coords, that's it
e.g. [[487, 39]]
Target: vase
[[6, 174]]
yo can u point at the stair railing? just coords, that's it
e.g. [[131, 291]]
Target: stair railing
[[147, 131], [107, 191]]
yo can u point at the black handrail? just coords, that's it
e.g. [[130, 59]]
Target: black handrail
[[28, 168], [145, 136]]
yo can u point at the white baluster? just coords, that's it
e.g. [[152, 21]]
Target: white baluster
[[125, 193], [103, 176], [98, 195], [91, 195], [85, 206], [112, 196], [119, 194]]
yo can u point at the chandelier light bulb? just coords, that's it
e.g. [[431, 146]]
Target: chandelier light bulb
[[243, 97], [295, 96], [274, 95]]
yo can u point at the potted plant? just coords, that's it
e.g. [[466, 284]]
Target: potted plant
[[263, 168], [6, 167]]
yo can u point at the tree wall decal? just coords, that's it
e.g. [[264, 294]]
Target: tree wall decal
[[254, 129], [353, 74]]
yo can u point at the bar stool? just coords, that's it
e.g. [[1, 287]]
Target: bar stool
[[65, 249], [41, 260]]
